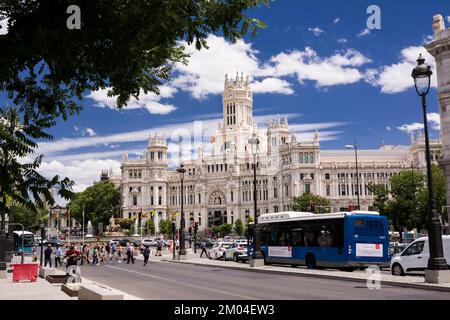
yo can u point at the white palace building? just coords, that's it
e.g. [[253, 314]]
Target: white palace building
[[219, 186]]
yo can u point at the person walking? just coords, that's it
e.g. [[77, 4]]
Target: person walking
[[72, 255], [159, 244], [146, 253], [130, 253], [203, 247], [113, 253], [58, 255], [95, 256], [48, 255]]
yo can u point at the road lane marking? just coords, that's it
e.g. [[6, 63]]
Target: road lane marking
[[186, 284]]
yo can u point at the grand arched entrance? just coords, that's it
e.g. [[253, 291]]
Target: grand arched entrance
[[217, 212]]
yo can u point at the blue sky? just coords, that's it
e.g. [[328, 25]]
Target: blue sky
[[316, 62]]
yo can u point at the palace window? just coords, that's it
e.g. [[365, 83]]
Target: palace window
[[328, 190], [327, 176], [134, 200], [307, 187]]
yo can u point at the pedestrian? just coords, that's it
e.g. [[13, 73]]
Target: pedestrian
[[86, 254], [108, 249], [146, 253], [159, 244], [48, 255], [34, 253], [95, 256], [177, 244], [113, 253], [72, 255], [130, 253], [58, 255], [203, 247]]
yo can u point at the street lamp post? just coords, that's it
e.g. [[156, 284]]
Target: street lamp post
[[256, 255], [437, 270], [42, 242], [182, 254], [355, 146]]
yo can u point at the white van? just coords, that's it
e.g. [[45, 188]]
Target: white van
[[414, 258]]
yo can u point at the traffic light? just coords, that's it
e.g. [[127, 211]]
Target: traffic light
[[195, 226], [174, 227]]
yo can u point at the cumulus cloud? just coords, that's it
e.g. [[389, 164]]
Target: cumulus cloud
[[363, 33], [90, 132], [338, 69], [206, 69], [396, 77], [433, 118], [316, 31], [388, 128], [149, 101], [342, 40], [270, 85], [83, 172], [336, 20]]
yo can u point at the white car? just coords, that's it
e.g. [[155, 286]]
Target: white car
[[149, 242], [414, 258], [218, 249]]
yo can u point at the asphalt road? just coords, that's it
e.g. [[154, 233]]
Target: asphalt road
[[166, 280]]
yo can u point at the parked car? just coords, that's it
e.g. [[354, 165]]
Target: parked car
[[234, 251], [54, 241], [414, 258], [123, 242], [150, 242], [116, 241], [218, 249]]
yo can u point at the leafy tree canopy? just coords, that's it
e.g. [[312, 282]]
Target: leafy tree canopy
[[303, 203], [30, 220], [125, 46], [99, 202]]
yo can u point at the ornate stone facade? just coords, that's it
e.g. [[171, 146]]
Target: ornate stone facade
[[219, 186], [440, 49]]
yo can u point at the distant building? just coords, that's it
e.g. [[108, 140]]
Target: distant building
[[219, 186]]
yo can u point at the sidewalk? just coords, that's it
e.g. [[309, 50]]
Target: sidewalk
[[417, 282], [42, 289]]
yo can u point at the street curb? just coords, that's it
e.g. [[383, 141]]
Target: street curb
[[324, 276]]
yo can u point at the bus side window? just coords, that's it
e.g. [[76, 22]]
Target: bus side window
[[297, 238]]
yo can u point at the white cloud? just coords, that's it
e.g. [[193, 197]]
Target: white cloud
[[336, 20], [271, 85], [433, 118], [316, 31], [206, 70], [149, 101], [388, 128], [342, 40], [90, 132], [83, 173], [337, 69], [363, 33], [396, 78], [3, 25]]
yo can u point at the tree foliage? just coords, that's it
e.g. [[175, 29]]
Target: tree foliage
[[303, 203], [150, 226], [30, 219], [19, 180], [239, 227], [99, 202], [381, 197], [123, 46], [165, 227], [222, 230]]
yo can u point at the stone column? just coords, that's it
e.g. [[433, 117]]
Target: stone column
[[439, 48]]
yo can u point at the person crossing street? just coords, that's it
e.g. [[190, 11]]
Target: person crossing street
[[146, 253]]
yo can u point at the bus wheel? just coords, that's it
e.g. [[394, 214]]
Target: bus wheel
[[310, 261], [397, 270], [235, 258]]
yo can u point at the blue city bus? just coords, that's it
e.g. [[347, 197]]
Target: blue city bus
[[23, 241], [343, 240]]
